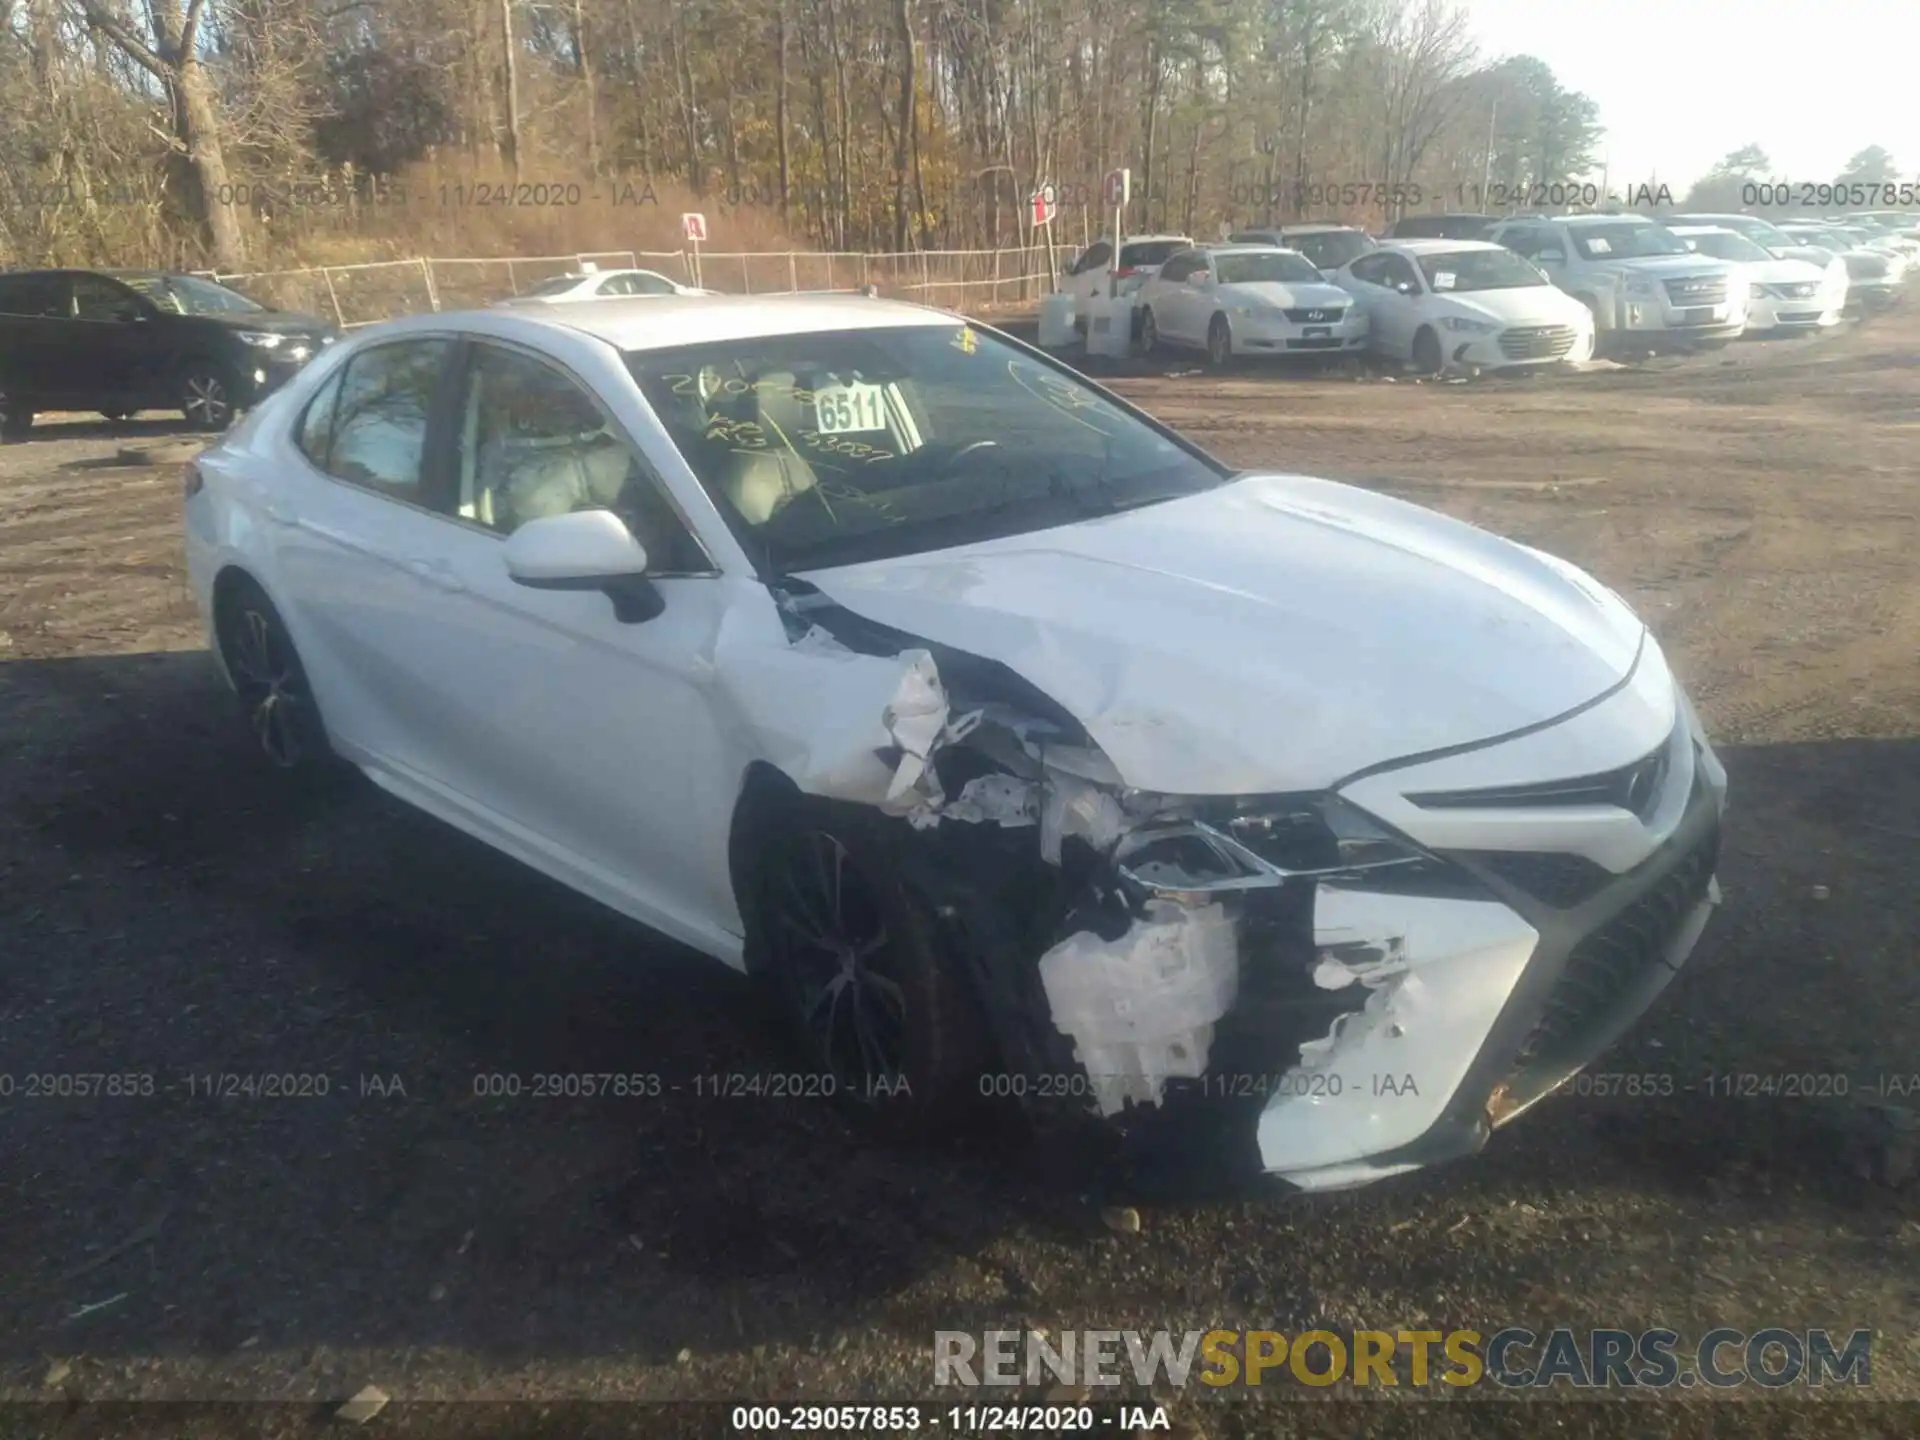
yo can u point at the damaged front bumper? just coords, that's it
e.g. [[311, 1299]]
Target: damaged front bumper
[[1328, 989]]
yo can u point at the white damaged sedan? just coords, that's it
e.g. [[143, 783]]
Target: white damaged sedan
[[1240, 821]]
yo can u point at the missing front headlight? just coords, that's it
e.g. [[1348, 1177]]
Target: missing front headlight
[[1262, 845]]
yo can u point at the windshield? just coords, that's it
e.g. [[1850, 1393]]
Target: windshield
[[843, 446], [1330, 249], [1728, 246], [1261, 268], [1825, 239], [559, 285], [1149, 252], [1625, 241], [1457, 270], [186, 295]]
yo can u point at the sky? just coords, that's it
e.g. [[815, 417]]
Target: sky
[[1680, 83]]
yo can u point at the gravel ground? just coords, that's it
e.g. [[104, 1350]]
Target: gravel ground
[[169, 909]]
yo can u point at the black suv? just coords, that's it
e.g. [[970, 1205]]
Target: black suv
[[121, 341], [1441, 227]]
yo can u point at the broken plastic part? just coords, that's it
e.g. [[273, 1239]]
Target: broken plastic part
[[1141, 1009], [1073, 806]]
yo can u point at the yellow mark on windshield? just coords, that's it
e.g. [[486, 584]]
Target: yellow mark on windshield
[[1063, 398], [965, 341]]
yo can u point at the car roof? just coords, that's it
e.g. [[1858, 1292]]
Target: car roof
[[1436, 245], [660, 322], [1606, 219], [1704, 230], [1247, 247], [1318, 227]]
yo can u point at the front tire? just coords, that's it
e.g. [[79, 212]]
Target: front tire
[[16, 417], [1219, 343], [1428, 359], [206, 395], [851, 958], [275, 695]]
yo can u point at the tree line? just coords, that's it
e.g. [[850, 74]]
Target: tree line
[[247, 133]]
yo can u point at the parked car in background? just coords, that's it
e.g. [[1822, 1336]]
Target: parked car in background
[[1439, 305], [1646, 290], [601, 285], [1328, 246], [992, 728], [122, 341], [1887, 242], [1784, 295], [1873, 277], [1140, 258], [1903, 223], [1233, 300], [1441, 227]]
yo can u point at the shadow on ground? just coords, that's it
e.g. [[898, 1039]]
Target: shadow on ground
[[173, 910]]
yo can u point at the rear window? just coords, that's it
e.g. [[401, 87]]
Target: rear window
[[1442, 227], [1150, 252], [1330, 249]]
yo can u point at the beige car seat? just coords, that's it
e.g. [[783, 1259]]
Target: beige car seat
[[759, 482]]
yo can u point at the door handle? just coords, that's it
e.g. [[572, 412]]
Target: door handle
[[437, 573]]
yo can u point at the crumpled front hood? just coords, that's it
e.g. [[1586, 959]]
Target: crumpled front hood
[[1275, 634]]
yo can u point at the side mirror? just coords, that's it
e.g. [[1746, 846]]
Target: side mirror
[[585, 550], [1405, 287], [1201, 278]]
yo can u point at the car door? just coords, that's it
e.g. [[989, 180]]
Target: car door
[[1171, 299], [1090, 275], [1401, 300], [554, 721], [34, 325], [349, 531], [1367, 282], [119, 345]]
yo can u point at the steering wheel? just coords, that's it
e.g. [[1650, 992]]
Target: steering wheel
[[972, 447]]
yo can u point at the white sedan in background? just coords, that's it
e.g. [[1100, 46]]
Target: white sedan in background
[[1232, 300], [601, 285], [1465, 304], [1781, 294]]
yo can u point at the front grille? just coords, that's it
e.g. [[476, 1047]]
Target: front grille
[[1536, 342], [1634, 787], [1697, 290], [1559, 880], [1317, 315], [1613, 960]]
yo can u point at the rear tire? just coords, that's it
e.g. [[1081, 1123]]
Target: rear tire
[[1219, 343], [851, 960], [1149, 333], [206, 392], [275, 695]]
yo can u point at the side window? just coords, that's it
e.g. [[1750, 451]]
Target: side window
[[645, 284], [616, 285], [1096, 256], [1370, 268], [315, 436], [532, 443], [97, 299], [1400, 271], [1180, 267], [380, 416], [38, 296]]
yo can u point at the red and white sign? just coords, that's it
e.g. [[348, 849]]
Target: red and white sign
[[1119, 187], [1041, 206], [693, 226]]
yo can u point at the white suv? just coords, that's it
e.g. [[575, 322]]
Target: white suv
[[1646, 289], [1141, 257]]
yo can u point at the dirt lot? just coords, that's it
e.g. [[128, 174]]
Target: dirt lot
[[167, 908]]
